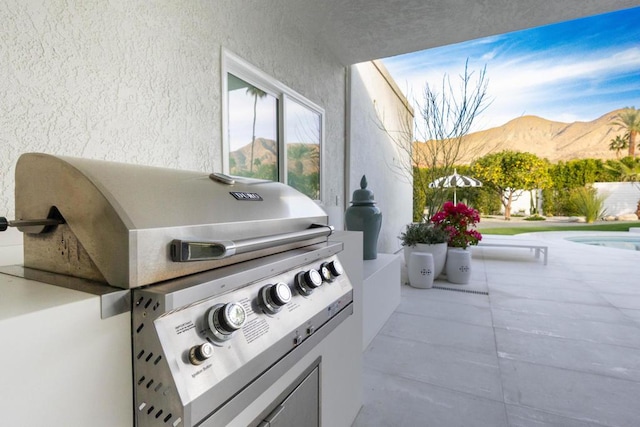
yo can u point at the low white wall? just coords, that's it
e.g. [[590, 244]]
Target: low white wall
[[380, 294], [11, 247], [522, 204], [622, 197]]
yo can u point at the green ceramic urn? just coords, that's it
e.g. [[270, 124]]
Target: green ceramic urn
[[363, 215]]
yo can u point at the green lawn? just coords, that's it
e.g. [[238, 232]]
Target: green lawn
[[614, 226]]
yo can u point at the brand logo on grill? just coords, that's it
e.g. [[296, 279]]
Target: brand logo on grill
[[241, 195]]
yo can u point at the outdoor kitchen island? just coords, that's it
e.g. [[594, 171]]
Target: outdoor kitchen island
[[63, 365], [268, 329]]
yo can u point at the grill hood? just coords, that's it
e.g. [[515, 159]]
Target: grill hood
[[120, 220]]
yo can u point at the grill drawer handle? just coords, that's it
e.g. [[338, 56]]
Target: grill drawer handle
[[189, 250]]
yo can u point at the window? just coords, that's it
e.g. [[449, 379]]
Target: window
[[302, 142], [270, 131], [253, 130]]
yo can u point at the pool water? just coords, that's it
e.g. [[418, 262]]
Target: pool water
[[618, 242]]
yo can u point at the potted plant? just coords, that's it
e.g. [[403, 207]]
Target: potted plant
[[459, 222], [426, 237]]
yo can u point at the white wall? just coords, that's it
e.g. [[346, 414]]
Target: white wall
[[522, 203], [139, 82], [376, 99], [11, 247], [621, 197]]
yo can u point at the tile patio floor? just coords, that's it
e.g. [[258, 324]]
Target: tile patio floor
[[555, 345]]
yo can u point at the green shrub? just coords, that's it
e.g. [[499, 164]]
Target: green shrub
[[585, 201], [535, 217], [485, 200], [423, 232]]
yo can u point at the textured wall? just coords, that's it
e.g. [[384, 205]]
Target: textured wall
[[139, 81], [376, 101], [621, 197]]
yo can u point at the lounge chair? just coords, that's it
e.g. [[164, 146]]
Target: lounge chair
[[515, 242]]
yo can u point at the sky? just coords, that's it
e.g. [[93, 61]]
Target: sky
[[572, 71]]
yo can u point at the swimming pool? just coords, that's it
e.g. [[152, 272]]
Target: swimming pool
[[618, 242]]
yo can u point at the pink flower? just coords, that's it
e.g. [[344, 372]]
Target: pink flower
[[459, 221]]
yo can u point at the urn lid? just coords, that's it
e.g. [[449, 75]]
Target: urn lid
[[363, 196]]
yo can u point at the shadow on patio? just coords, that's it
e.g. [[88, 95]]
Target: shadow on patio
[[555, 345]]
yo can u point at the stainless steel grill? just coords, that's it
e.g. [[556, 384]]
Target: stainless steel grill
[[230, 281], [120, 220]]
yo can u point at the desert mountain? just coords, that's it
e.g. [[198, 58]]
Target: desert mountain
[[265, 150], [547, 139], [303, 158]]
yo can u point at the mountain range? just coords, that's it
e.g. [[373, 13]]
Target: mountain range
[[302, 158], [545, 138]]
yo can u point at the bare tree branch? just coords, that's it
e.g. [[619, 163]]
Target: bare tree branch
[[444, 118]]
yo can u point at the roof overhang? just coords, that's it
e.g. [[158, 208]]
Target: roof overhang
[[362, 30]]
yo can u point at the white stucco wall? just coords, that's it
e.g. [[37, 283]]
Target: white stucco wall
[[621, 197], [375, 99], [139, 82], [522, 203]]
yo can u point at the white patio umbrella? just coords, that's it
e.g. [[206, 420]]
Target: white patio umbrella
[[455, 181]]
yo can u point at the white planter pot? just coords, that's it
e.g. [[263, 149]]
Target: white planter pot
[[438, 250], [421, 270], [458, 266]]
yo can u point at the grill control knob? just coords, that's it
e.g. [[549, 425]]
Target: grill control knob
[[272, 297], [224, 319], [307, 281], [200, 353], [330, 270]]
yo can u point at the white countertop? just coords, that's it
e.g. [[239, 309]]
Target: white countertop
[[60, 355], [22, 296]]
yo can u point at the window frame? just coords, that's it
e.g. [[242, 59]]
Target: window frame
[[233, 64]]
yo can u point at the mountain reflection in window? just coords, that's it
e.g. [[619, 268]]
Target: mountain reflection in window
[[302, 143], [253, 131]]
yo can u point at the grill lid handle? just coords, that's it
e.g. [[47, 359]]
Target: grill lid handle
[[189, 250], [29, 225]]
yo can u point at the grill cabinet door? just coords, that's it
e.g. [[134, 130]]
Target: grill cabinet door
[[300, 408]]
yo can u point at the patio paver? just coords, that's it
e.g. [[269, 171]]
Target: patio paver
[[555, 345]]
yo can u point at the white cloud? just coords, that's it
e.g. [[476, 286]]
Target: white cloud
[[524, 73], [489, 55], [536, 84]]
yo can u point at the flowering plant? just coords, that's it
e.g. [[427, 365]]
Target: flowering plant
[[459, 221]]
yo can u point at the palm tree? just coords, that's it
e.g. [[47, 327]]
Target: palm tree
[[256, 93], [626, 170], [630, 173], [618, 144], [629, 119], [296, 154]]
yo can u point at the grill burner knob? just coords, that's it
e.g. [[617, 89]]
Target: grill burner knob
[[224, 319], [307, 281], [200, 353], [330, 270], [273, 297]]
